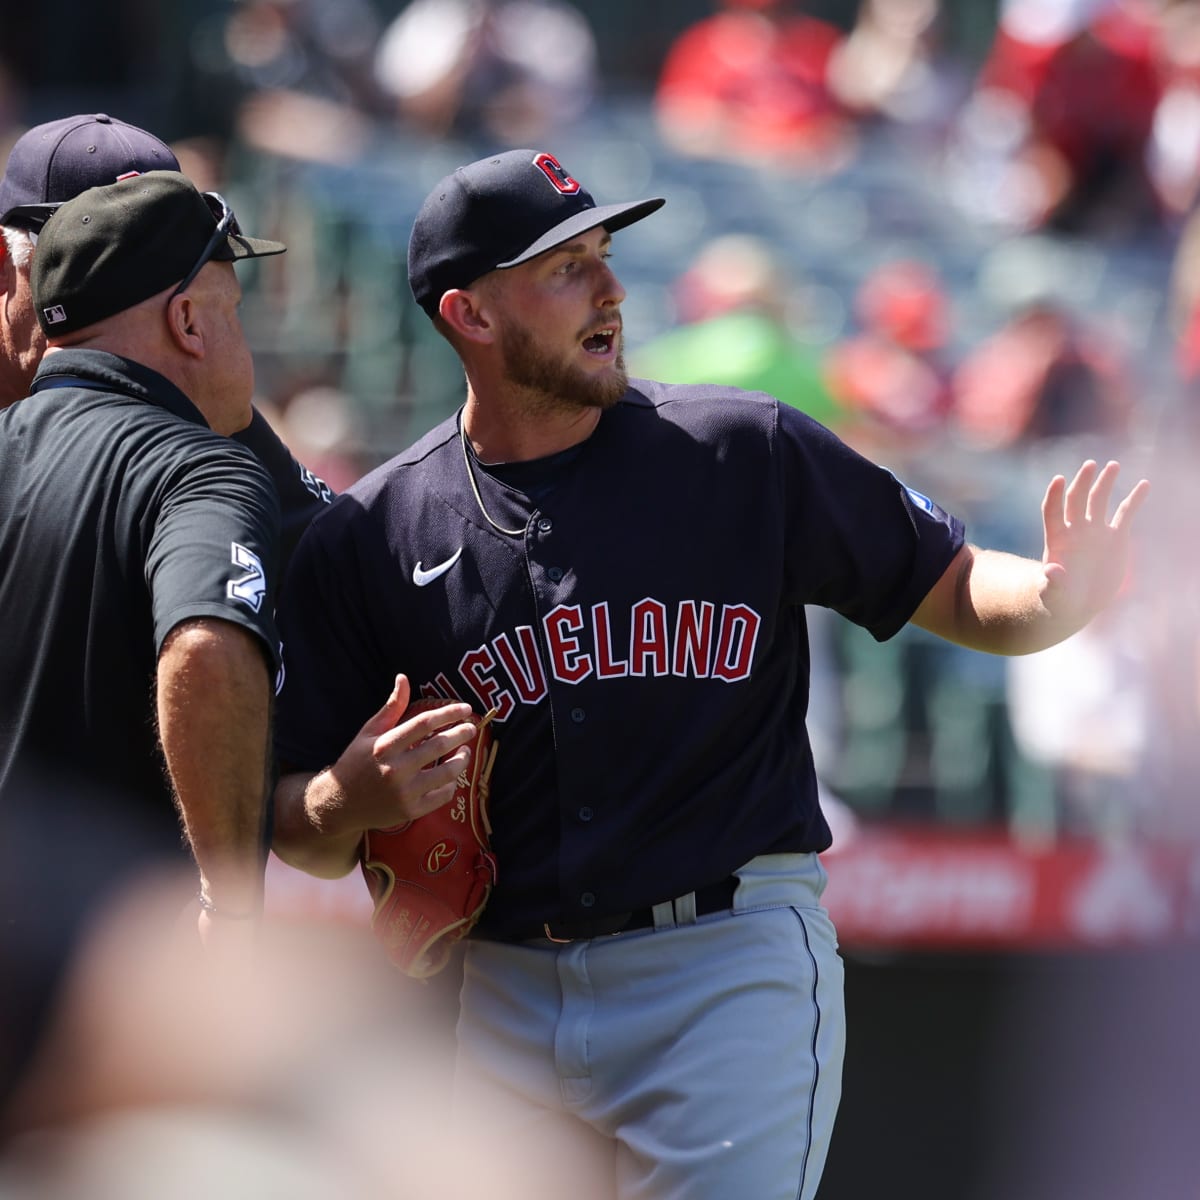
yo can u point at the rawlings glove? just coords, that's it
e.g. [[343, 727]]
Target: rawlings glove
[[431, 877]]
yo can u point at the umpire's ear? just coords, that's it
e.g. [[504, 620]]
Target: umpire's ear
[[464, 312], [184, 327]]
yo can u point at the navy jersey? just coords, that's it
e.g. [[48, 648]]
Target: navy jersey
[[643, 636], [301, 493]]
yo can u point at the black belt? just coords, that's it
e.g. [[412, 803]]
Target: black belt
[[715, 898]]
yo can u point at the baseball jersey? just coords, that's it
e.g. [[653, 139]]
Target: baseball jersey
[[301, 493], [643, 637], [122, 514]]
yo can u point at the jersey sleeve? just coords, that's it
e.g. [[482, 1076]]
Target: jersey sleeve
[[214, 547], [302, 495], [335, 674], [860, 541]]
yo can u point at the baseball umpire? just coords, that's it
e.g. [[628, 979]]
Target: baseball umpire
[[139, 544], [620, 569]]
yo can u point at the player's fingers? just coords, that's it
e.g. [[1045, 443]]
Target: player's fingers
[[1101, 492], [401, 734], [431, 800], [1052, 505], [435, 784], [428, 721], [447, 743], [1131, 503], [393, 708], [414, 751], [1075, 506]]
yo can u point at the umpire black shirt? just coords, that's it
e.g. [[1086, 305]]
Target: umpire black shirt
[[122, 514]]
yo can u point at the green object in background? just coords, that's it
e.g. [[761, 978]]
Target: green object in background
[[739, 349]]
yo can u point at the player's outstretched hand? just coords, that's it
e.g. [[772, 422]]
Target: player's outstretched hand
[[396, 770], [1086, 554]]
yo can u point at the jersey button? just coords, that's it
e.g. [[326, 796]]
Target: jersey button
[[545, 525], [587, 899], [578, 715], [555, 574], [585, 813]]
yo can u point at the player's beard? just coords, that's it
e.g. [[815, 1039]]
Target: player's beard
[[554, 382]]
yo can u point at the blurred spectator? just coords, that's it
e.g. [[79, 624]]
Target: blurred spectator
[[323, 427], [1174, 153], [1044, 374], [892, 64], [1079, 711], [892, 378], [514, 72], [1185, 301], [739, 329], [303, 70], [752, 82], [1057, 130]]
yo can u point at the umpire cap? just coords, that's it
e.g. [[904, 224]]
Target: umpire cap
[[51, 163], [114, 246], [500, 212]]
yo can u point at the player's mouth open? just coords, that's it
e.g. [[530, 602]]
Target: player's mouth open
[[601, 342]]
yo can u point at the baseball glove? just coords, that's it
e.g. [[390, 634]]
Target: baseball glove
[[431, 877]]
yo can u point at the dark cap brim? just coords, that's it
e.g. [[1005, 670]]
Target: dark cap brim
[[611, 216], [237, 246], [28, 216]]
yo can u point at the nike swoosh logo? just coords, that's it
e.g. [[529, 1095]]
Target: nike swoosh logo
[[423, 578]]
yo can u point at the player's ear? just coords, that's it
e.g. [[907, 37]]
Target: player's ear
[[462, 309]]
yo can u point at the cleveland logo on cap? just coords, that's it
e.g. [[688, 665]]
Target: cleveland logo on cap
[[556, 173]]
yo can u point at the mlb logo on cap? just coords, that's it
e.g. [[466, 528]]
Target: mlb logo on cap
[[55, 315]]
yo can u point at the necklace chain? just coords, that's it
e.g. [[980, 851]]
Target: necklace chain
[[462, 429]]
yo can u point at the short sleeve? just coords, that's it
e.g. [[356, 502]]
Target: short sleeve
[[214, 547], [302, 495], [859, 540]]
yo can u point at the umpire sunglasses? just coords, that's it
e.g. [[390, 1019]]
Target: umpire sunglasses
[[227, 223]]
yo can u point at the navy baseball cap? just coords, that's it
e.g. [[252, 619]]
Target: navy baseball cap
[[112, 247], [54, 162], [499, 212]]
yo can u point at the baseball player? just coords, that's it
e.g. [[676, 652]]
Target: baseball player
[[620, 569]]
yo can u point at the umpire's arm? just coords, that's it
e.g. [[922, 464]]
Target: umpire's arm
[[214, 696]]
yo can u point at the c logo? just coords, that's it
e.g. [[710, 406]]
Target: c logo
[[439, 856], [556, 173]]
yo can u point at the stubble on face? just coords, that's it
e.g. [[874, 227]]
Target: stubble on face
[[554, 384]]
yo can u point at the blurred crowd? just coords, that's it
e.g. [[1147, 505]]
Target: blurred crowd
[[971, 261]]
